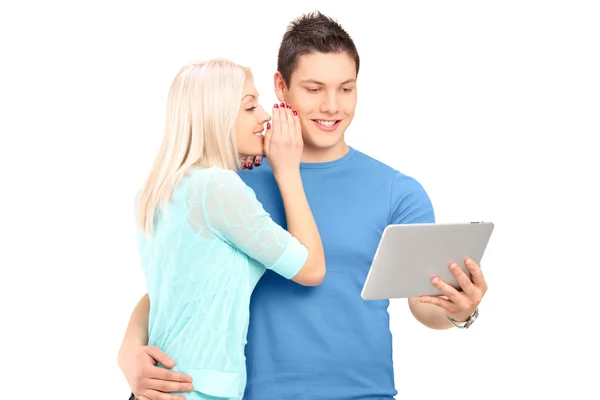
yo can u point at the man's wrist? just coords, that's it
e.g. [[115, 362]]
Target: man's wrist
[[460, 317], [461, 321]]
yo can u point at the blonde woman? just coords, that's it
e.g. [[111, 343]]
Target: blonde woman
[[204, 238]]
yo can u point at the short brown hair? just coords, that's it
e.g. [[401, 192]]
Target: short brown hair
[[312, 33]]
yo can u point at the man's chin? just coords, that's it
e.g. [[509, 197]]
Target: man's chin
[[324, 141]]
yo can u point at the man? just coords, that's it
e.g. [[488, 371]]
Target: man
[[323, 342]]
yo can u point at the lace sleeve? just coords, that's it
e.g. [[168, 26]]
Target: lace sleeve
[[232, 212]]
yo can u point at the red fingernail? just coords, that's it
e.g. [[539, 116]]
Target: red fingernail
[[268, 125], [276, 106], [282, 104], [289, 106], [295, 113], [257, 162]]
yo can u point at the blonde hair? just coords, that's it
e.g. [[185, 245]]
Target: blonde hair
[[202, 109]]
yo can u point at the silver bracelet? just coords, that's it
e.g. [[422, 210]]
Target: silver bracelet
[[466, 324]]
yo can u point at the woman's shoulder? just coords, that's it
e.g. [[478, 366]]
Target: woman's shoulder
[[216, 180], [212, 172], [215, 175]]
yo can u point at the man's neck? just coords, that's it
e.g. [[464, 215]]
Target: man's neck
[[319, 155]]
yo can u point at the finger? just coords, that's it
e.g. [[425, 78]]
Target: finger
[[248, 162], [168, 386], [291, 124], [285, 131], [462, 279], [267, 140], [447, 305], [159, 356], [476, 273], [297, 125], [168, 375], [258, 161], [276, 122], [447, 290], [155, 395]]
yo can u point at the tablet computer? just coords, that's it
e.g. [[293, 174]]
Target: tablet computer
[[410, 255]]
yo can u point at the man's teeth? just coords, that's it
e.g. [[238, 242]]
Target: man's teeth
[[326, 123]]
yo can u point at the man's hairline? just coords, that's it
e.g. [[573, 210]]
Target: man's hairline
[[296, 62]]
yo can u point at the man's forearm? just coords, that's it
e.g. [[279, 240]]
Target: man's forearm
[[137, 331], [429, 315]]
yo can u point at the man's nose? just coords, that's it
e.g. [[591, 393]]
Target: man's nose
[[330, 104]]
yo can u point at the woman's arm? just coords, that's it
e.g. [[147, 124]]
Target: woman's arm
[[301, 224], [221, 201]]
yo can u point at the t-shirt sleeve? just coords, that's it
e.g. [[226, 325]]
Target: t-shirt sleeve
[[230, 209], [409, 202]]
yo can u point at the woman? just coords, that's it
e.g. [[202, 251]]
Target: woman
[[204, 238]]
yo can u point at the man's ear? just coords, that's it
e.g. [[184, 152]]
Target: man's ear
[[279, 86]]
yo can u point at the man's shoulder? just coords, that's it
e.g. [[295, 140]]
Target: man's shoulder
[[373, 165], [370, 161], [401, 184]]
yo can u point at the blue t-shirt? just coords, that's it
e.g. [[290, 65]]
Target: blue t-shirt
[[326, 342]]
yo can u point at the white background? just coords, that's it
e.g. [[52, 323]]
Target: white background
[[493, 106]]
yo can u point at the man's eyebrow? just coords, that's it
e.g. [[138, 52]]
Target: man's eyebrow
[[347, 81]]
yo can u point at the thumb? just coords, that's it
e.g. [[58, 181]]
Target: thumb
[[159, 356]]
